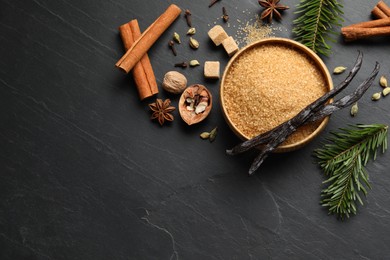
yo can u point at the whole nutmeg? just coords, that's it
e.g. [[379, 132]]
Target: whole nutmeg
[[174, 82]]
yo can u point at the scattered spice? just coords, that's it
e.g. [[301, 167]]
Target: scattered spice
[[272, 9], [213, 134], [386, 91], [205, 135], [171, 45], [376, 96], [194, 63], [225, 15], [191, 31], [187, 15], [176, 37], [213, 2], [194, 43], [162, 110], [209, 135], [383, 82], [354, 109], [182, 64], [339, 70]]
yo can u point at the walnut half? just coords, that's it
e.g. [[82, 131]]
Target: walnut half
[[195, 104]]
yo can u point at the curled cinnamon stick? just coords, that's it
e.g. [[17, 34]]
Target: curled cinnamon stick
[[145, 59], [148, 38], [381, 10], [378, 13], [355, 33], [142, 72], [372, 24]]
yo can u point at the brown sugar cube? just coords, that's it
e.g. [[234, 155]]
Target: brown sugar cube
[[230, 46], [211, 69], [217, 34]]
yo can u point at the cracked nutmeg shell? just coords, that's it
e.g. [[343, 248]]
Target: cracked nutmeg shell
[[193, 97]]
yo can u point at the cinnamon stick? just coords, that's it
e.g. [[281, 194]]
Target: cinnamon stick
[[381, 10], [145, 59], [354, 33], [372, 24], [139, 74], [148, 38], [378, 13]]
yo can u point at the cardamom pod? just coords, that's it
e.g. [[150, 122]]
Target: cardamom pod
[[376, 96], [383, 82], [191, 31], [386, 91], [194, 63], [205, 135], [176, 37], [213, 134], [354, 109], [194, 43], [339, 70]]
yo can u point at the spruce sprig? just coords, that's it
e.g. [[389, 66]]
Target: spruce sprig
[[314, 26], [343, 161]]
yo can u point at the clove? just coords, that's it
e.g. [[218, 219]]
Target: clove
[[187, 15], [213, 2], [225, 15], [181, 64], [172, 46]]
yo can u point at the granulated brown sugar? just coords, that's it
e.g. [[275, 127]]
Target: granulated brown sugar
[[269, 84], [253, 31]]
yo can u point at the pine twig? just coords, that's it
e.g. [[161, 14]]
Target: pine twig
[[343, 161], [314, 27]]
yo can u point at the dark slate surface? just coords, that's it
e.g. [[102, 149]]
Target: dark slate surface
[[86, 175]]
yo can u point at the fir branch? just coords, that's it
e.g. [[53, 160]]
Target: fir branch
[[344, 160], [314, 26]]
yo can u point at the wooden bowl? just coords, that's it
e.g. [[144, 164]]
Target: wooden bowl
[[303, 136]]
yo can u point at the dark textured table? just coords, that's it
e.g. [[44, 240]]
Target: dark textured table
[[86, 175]]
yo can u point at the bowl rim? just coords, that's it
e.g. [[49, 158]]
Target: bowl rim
[[288, 42]]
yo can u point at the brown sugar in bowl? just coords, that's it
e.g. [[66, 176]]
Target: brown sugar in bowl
[[268, 82]]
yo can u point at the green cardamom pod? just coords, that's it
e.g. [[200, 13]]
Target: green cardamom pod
[[386, 91], [383, 82], [194, 43], [176, 37], [213, 134], [339, 70], [205, 135], [376, 96], [194, 63], [354, 109], [191, 31]]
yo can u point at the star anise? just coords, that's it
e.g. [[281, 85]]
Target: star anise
[[161, 110], [272, 9]]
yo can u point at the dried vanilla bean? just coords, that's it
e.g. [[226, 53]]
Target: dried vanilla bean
[[347, 100]]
